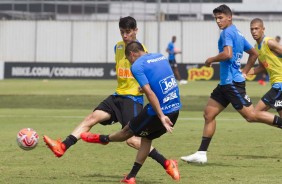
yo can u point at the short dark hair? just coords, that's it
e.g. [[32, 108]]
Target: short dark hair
[[127, 23], [257, 20], [133, 47], [223, 9]]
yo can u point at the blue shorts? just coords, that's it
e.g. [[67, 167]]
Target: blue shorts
[[234, 93], [148, 126]]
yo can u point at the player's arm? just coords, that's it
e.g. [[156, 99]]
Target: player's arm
[[152, 98], [170, 49], [275, 47], [259, 69], [253, 55], [167, 50], [222, 56]]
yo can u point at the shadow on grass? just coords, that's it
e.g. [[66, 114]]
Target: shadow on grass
[[103, 178], [254, 157], [209, 164]]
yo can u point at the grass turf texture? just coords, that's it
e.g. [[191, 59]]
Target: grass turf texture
[[239, 153]]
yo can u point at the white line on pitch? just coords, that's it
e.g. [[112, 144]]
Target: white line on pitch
[[80, 117]]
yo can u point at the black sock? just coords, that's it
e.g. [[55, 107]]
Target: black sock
[[69, 141], [154, 154], [205, 144], [136, 167], [277, 121], [104, 138]]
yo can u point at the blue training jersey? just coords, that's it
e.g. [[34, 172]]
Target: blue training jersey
[[154, 69], [170, 48], [230, 69]]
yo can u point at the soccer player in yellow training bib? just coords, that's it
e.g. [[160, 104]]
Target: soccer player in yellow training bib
[[231, 89], [123, 105], [270, 60]]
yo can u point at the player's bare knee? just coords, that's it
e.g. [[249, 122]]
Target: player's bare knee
[[208, 117], [89, 121], [250, 117], [133, 142]]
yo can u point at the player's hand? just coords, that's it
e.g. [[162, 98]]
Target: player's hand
[[208, 62], [244, 75], [167, 123], [140, 90]]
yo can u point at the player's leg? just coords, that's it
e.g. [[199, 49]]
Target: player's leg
[[261, 117], [152, 128], [280, 112], [261, 106], [101, 114], [59, 148], [140, 159], [212, 109], [130, 109], [259, 113], [176, 73], [92, 119]]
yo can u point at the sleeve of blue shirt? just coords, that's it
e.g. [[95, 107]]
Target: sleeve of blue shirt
[[138, 73], [228, 39], [247, 45]]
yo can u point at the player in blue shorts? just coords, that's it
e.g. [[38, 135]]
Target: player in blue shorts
[[231, 88], [155, 77]]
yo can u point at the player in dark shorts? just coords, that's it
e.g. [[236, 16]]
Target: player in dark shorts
[[156, 78], [231, 89], [115, 106], [124, 104]]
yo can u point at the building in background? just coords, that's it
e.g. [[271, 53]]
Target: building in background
[[165, 10]]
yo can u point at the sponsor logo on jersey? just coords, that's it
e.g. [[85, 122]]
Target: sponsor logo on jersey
[[167, 84], [156, 59], [170, 96], [278, 103], [175, 105], [124, 73]]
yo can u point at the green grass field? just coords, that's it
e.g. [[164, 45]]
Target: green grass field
[[239, 153]]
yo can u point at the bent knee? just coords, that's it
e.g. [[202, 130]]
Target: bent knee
[[133, 142], [251, 118], [208, 117]]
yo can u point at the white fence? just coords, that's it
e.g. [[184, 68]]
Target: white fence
[[74, 42]]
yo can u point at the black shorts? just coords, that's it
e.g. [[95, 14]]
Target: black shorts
[[121, 109], [173, 63], [148, 126], [234, 93], [273, 98]]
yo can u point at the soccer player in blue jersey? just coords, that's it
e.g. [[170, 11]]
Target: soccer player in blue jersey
[[231, 88], [125, 103], [155, 77], [172, 61]]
